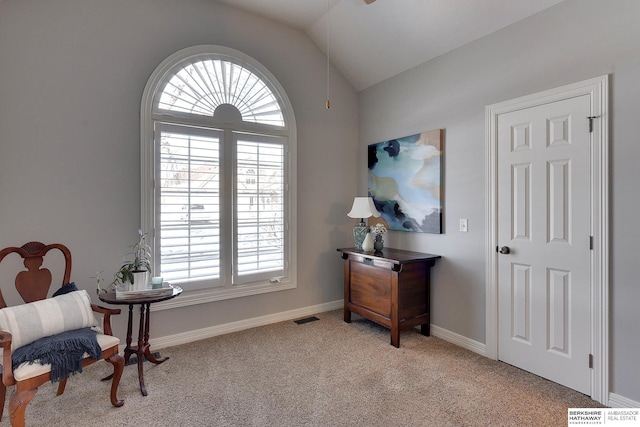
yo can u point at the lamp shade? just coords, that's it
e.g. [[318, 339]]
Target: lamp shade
[[363, 207]]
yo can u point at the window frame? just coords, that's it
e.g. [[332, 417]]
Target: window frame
[[150, 115]]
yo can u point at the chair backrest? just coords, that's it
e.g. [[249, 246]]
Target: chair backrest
[[33, 284]]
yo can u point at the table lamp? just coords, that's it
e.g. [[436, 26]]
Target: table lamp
[[362, 208]]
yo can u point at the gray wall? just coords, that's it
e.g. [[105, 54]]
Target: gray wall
[[573, 41], [72, 73]]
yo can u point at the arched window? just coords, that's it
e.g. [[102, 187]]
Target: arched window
[[201, 86], [218, 174]]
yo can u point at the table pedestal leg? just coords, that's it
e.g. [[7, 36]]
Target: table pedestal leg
[[128, 350], [147, 351], [143, 349]]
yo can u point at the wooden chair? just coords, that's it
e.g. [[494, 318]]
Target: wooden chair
[[33, 285]]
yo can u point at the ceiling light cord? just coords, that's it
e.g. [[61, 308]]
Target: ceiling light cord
[[328, 47]]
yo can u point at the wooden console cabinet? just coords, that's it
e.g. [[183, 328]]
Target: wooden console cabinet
[[390, 287]]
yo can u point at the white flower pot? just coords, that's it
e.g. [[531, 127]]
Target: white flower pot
[[140, 280]]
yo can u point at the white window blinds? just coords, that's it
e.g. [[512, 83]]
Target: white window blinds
[[259, 202], [189, 194]]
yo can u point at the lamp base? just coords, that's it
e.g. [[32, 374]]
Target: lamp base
[[359, 233]]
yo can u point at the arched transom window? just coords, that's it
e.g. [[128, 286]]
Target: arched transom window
[[202, 86], [218, 174]]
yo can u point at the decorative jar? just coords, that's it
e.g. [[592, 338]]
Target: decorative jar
[[378, 243]]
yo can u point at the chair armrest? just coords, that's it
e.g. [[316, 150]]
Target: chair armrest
[[106, 319], [7, 369]]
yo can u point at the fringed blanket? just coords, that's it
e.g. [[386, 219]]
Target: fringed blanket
[[63, 352]]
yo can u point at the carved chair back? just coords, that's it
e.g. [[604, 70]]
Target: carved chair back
[[33, 284]]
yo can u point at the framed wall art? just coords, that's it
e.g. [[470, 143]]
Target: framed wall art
[[404, 181]]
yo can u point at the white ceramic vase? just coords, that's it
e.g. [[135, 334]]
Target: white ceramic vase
[[367, 244]]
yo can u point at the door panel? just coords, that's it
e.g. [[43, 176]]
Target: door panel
[[543, 216], [521, 302]]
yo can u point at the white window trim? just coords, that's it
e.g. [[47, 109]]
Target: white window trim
[[147, 169]]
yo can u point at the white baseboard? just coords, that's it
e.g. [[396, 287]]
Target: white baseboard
[[212, 331], [616, 401], [459, 340]]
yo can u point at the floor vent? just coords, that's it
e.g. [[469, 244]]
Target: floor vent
[[305, 320]]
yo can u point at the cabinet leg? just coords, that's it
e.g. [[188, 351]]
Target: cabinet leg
[[425, 330], [347, 316], [395, 337]]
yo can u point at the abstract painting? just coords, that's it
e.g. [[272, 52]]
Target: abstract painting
[[405, 177]]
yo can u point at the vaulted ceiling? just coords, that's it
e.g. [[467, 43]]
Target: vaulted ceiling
[[369, 43]]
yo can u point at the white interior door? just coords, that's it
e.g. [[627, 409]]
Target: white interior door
[[544, 223]]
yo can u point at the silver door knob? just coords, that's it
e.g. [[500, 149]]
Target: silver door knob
[[503, 249]]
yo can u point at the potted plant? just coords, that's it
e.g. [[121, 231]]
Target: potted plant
[[135, 269]]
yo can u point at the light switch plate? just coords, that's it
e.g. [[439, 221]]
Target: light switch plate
[[464, 225]]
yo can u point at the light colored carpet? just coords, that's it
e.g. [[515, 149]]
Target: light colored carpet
[[322, 373]]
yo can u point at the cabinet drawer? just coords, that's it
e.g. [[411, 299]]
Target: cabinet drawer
[[370, 288]]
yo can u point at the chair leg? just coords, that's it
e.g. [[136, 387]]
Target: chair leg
[[18, 405], [61, 385], [118, 367], [3, 395]]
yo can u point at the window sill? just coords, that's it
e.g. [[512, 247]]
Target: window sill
[[203, 296]]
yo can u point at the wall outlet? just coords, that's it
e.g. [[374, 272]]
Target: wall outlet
[[464, 225]]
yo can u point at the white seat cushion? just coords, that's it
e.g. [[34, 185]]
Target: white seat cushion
[[28, 370]]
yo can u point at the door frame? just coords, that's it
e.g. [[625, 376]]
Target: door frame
[[597, 89]]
